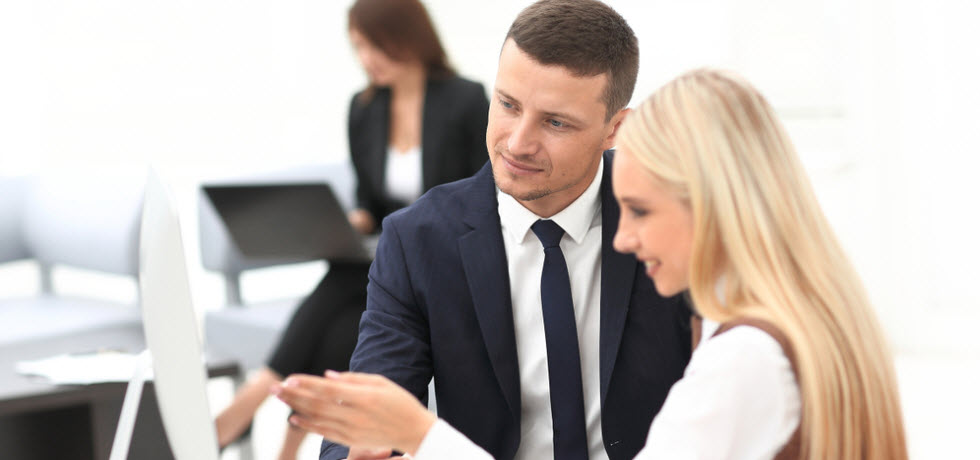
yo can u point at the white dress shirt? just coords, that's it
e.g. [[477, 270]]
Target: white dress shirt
[[582, 248], [738, 399]]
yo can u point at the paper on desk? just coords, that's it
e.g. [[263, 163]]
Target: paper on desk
[[74, 369]]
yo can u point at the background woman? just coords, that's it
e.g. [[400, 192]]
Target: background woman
[[415, 126], [791, 363]]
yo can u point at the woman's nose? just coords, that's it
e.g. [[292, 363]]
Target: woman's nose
[[624, 241]]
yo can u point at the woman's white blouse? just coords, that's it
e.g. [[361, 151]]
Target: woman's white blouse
[[444, 442], [738, 399], [403, 174]]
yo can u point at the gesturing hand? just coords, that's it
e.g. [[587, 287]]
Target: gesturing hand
[[360, 453], [354, 409]]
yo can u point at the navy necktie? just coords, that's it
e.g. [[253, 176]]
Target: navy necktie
[[561, 338]]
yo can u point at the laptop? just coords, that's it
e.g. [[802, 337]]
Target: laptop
[[170, 327], [289, 220]]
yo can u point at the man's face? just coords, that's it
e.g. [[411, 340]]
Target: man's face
[[546, 132]]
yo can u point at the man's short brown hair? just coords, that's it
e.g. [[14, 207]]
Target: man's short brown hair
[[588, 38]]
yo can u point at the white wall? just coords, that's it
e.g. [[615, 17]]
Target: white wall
[[880, 97]]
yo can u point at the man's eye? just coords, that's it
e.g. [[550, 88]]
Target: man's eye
[[506, 105], [556, 123]]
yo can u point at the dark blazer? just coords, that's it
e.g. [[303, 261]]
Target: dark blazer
[[439, 306], [454, 126]]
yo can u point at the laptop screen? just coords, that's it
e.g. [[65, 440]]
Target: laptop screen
[[287, 220]]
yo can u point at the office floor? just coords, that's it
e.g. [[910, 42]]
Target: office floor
[[939, 398]]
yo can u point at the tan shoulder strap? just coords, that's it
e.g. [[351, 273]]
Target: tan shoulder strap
[[764, 326], [695, 331], [792, 449]]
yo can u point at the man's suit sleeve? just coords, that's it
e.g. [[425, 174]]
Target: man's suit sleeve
[[394, 334]]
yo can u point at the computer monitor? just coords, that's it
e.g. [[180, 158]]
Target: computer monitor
[[170, 327]]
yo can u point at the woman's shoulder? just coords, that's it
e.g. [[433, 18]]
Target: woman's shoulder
[[734, 377], [735, 343], [746, 356], [368, 96], [754, 334], [367, 105]]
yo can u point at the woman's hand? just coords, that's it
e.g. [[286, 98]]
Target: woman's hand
[[357, 410], [361, 220]]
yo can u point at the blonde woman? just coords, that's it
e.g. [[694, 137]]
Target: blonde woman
[[790, 363]]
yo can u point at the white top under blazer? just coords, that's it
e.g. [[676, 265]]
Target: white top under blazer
[[403, 174]]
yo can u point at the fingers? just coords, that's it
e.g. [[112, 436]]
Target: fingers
[[330, 388], [344, 434], [307, 424], [357, 378], [309, 388], [313, 398], [328, 431], [362, 453], [355, 409]]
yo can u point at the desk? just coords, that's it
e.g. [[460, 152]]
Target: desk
[[39, 420]]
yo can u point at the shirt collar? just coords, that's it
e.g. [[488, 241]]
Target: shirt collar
[[575, 219]]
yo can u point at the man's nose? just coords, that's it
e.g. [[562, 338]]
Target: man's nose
[[523, 139]]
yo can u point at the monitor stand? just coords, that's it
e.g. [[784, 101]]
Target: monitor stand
[[130, 406]]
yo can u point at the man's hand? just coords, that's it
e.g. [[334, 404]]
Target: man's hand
[[368, 411], [360, 453]]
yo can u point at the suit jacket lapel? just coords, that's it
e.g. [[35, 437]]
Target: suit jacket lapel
[[618, 273], [379, 143], [485, 264]]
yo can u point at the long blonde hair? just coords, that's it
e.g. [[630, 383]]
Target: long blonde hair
[[713, 140]]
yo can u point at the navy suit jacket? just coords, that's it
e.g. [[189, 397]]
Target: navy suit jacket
[[439, 306]]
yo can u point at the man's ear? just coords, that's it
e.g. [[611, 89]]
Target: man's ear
[[616, 121]]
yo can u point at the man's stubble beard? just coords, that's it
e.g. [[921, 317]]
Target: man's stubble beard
[[529, 196]]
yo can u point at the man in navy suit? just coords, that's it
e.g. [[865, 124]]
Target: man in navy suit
[[455, 291]]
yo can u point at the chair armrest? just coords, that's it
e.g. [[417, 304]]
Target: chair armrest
[[12, 245]]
